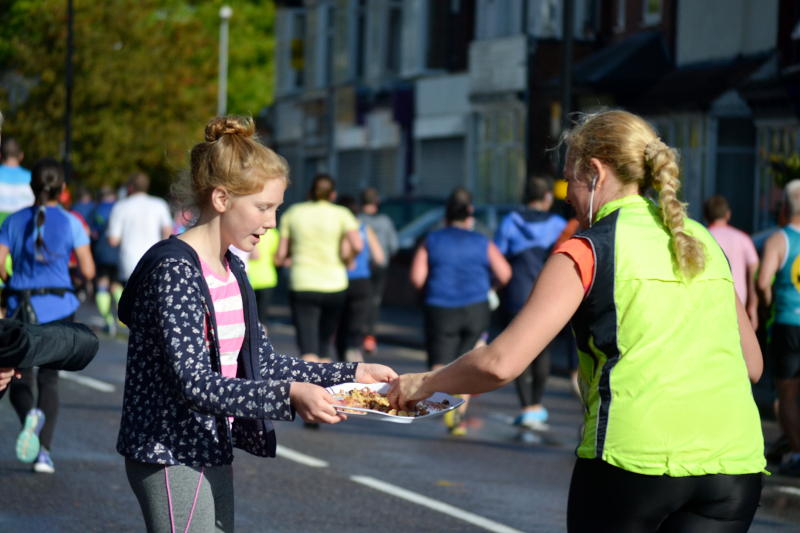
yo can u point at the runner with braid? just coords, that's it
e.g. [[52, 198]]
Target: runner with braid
[[672, 439]]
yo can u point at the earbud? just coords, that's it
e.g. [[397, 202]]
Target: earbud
[[594, 181]]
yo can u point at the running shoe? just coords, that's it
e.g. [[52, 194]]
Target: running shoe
[[28, 439], [454, 420], [370, 344], [532, 419], [459, 431], [44, 464]]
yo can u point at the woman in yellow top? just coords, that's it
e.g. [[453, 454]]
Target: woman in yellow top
[[671, 438], [314, 235]]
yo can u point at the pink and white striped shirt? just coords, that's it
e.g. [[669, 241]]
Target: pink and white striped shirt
[[229, 313]]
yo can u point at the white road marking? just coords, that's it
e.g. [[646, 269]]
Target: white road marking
[[86, 381], [297, 457], [789, 490], [441, 507]]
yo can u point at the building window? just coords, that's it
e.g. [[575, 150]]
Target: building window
[[498, 18], [361, 39], [298, 49], [394, 37], [781, 139], [449, 33], [619, 23], [500, 153], [651, 12]]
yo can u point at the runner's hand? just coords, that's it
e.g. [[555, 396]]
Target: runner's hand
[[6, 374], [407, 390], [313, 403], [374, 373]]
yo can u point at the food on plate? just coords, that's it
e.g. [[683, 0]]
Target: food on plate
[[365, 398]]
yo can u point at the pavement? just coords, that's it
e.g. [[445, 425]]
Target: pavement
[[401, 328]]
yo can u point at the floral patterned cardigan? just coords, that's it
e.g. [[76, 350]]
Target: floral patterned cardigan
[[176, 401]]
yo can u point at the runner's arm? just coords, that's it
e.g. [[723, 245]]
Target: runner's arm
[[419, 267], [3, 255], [353, 238], [375, 248], [555, 298], [750, 348], [774, 250], [282, 253], [497, 262], [85, 261], [752, 294]]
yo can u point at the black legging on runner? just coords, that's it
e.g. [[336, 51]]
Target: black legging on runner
[[22, 398], [604, 498], [355, 317], [316, 316]]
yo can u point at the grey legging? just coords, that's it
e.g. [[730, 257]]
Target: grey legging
[[183, 498]]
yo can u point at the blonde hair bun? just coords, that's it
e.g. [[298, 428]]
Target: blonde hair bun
[[219, 126]]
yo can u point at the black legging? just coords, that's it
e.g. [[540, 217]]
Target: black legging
[[315, 316], [355, 318], [21, 396], [530, 384], [377, 287], [604, 498]]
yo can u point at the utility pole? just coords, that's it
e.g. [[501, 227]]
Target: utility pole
[[530, 51], [225, 13], [68, 99], [566, 62]]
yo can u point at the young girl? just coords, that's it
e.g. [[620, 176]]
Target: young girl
[[201, 375]]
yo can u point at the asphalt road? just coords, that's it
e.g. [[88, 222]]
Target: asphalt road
[[357, 476]]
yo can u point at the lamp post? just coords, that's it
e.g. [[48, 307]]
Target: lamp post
[[68, 96], [225, 13]]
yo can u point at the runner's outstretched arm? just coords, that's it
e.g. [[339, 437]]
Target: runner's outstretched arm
[[554, 299]]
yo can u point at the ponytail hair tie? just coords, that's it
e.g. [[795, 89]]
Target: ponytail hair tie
[[652, 149]]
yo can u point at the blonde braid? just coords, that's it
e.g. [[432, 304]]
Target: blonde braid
[[662, 163]]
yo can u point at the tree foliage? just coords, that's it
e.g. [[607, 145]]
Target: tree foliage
[[145, 79]]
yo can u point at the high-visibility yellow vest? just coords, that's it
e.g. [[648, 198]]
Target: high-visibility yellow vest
[[665, 386], [261, 271]]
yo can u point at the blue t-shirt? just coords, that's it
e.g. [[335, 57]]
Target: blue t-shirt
[[361, 269], [526, 237], [47, 267], [104, 253], [84, 209], [458, 268]]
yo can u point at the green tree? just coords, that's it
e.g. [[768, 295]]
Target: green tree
[[145, 80]]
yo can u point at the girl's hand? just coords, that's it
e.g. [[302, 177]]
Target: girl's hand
[[407, 390], [374, 373], [313, 403]]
